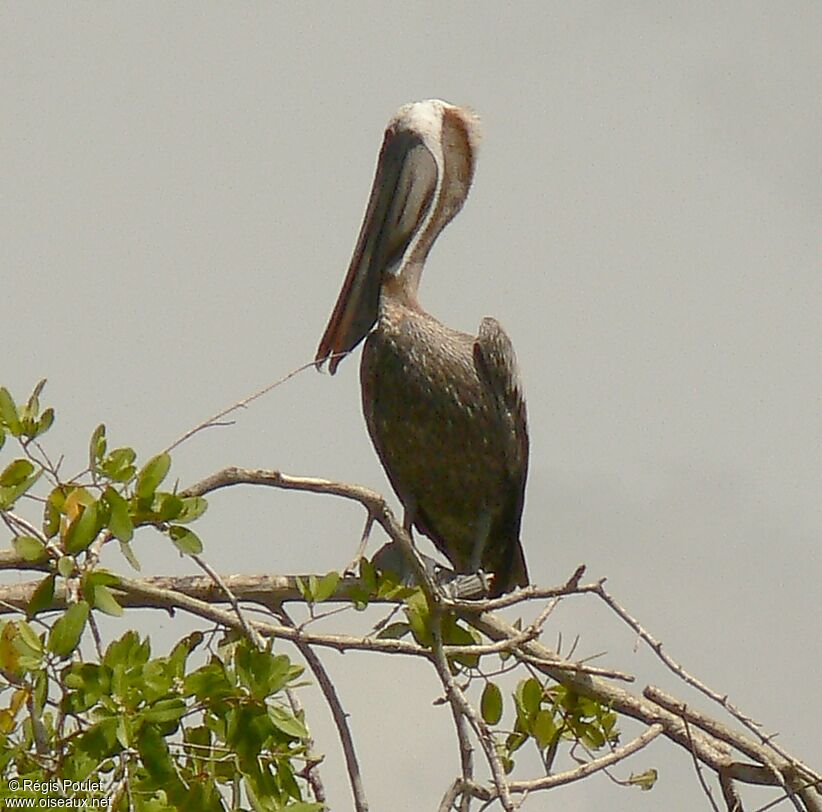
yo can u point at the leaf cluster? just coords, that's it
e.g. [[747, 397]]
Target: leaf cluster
[[176, 737]]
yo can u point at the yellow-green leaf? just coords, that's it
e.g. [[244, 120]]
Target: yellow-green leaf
[[16, 472], [152, 474], [83, 530], [644, 781], [326, 586], [119, 520], [185, 540], [65, 635], [105, 601], [544, 728], [29, 548]]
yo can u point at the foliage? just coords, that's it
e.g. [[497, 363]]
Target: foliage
[[153, 733]]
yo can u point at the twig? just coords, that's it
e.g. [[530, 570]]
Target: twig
[[339, 715], [250, 633], [698, 767], [578, 773], [240, 404]]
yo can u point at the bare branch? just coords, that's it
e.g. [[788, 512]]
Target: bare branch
[[720, 699]]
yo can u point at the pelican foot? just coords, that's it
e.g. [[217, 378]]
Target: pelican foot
[[460, 586], [455, 585]]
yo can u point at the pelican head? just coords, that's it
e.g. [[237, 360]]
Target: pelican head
[[424, 172]]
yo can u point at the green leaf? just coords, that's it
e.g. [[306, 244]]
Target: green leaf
[[152, 474], [193, 508], [16, 472], [119, 520], [644, 781], [65, 635], [65, 565], [287, 723], [34, 399], [368, 575], [20, 648], [166, 710], [53, 512], [491, 703], [105, 601], [97, 446], [128, 554], [118, 464], [419, 618], [544, 728], [45, 422], [167, 506], [84, 529], [29, 548], [8, 412], [155, 755], [42, 596], [394, 631], [325, 586], [185, 540], [10, 493], [531, 696], [305, 590]]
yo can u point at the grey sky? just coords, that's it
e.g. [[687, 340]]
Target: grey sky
[[181, 190]]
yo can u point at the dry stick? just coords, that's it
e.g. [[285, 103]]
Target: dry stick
[[240, 404], [528, 593], [811, 802], [340, 718], [146, 593], [451, 794], [462, 708], [720, 699], [270, 591], [698, 768], [709, 749]]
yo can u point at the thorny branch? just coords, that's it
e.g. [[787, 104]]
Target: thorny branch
[[711, 743]]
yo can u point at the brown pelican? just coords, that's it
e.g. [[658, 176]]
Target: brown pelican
[[445, 410]]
